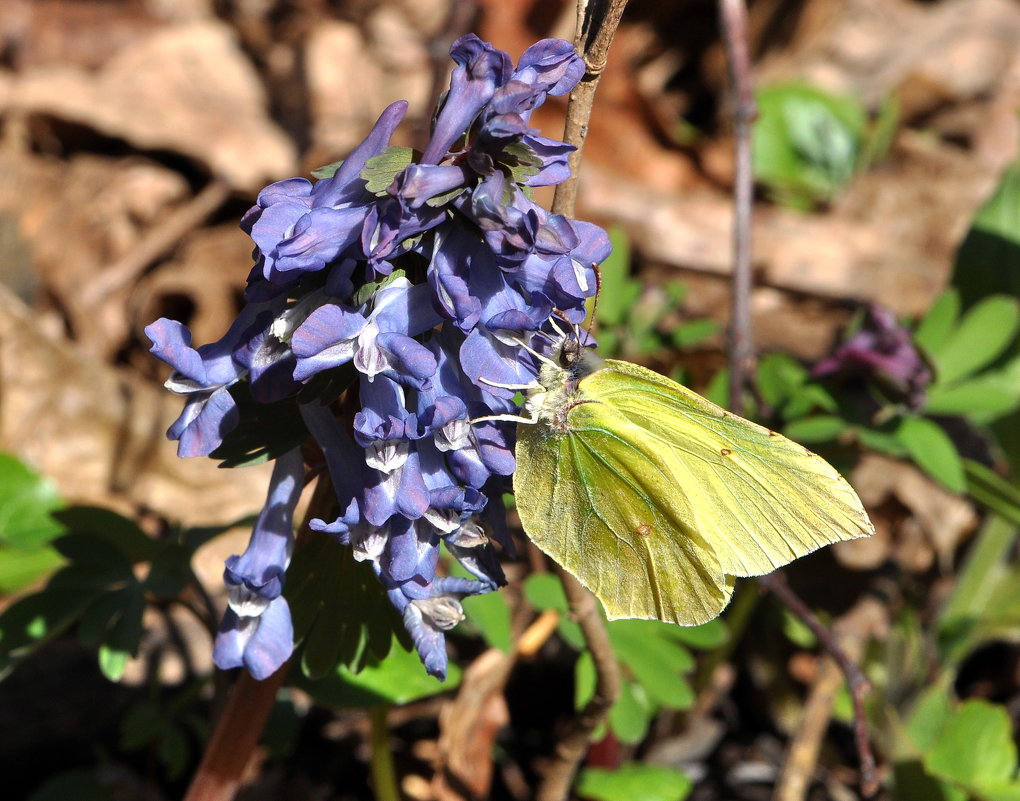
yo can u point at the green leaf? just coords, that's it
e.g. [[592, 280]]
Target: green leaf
[[634, 782], [809, 398], [988, 261], [81, 785], [992, 491], [693, 332], [490, 613], [934, 330], [26, 500], [338, 607], [379, 171], [26, 525], [984, 397], [820, 428], [656, 663], [584, 679], [399, 678], [632, 713], [89, 524], [975, 746], [982, 335], [930, 447], [928, 716], [706, 636], [615, 278], [170, 571], [778, 376], [327, 170]]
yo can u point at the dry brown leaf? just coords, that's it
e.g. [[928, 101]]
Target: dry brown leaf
[[187, 88], [99, 433]]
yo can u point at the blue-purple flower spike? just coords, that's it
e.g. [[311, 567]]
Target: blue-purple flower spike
[[410, 287]]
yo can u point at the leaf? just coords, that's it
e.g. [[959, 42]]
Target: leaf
[[933, 331], [820, 428], [930, 447], [94, 525], [545, 591], [26, 525], [614, 277], [379, 171], [338, 607], [693, 332], [981, 336], [632, 713], [490, 613], [327, 170], [984, 397], [26, 500], [399, 678], [975, 746], [778, 376], [634, 782], [992, 491], [656, 663], [988, 261]]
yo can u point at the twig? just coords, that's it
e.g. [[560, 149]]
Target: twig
[[597, 21], [856, 682], [733, 17], [573, 745], [155, 243]]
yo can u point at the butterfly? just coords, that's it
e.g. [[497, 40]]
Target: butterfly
[[655, 498]]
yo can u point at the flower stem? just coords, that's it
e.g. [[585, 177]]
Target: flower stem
[[233, 742], [384, 774]]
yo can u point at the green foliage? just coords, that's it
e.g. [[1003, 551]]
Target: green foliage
[[655, 660], [808, 143], [635, 782], [637, 320], [340, 611], [27, 528], [395, 678], [111, 568]]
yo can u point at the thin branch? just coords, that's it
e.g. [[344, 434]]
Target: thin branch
[[856, 681], [733, 17], [573, 745], [156, 242], [597, 24], [597, 21]]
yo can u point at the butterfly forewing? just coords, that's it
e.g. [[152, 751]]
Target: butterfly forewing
[[598, 499], [759, 499]]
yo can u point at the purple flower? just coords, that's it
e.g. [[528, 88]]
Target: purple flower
[[882, 350], [407, 292], [257, 631]]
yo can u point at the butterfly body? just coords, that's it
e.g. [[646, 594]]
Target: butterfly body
[[656, 498]]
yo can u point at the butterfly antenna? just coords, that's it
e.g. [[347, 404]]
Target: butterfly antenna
[[540, 356]]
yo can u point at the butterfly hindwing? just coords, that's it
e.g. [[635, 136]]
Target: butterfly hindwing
[[597, 498]]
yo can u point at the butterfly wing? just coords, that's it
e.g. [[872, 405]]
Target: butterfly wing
[[598, 500], [759, 499]]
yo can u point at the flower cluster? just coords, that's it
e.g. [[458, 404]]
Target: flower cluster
[[412, 285], [882, 350]]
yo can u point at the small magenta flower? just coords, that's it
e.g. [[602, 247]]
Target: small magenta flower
[[882, 350], [414, 289]]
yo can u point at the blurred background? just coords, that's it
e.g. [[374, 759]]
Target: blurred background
[[135, 134]]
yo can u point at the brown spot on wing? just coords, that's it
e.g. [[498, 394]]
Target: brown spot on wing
[[725, 452], [643, 530]]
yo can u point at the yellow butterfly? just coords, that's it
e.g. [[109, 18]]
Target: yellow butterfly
[[656, 498]]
